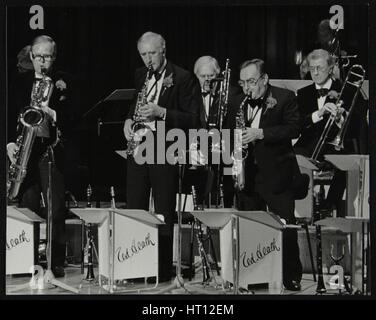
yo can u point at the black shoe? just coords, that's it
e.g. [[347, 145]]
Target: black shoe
[[161, 279], [58, 272], [258, 286], [292, 285], [136, 280]]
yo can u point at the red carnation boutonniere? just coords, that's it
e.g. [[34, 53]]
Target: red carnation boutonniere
[[167, 83], [61, 85], [270, 103]]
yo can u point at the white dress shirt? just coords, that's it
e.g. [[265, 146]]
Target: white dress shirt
[[321, 100], [254, 116]]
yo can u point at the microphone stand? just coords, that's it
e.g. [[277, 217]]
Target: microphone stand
[[49, 278]]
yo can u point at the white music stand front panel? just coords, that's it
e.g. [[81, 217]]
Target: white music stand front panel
[[20, 240], [136, 249], [260, 253]]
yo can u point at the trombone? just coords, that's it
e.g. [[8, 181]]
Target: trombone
[[354, 78]]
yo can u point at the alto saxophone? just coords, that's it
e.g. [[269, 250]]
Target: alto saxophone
[[240, 152], [31, 119], [139, 128]]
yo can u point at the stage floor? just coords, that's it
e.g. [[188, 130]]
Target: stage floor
[[19, 285]]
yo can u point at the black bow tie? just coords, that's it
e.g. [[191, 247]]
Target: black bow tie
[[322, 92], [255, 102], [157, 75], [204, 94]]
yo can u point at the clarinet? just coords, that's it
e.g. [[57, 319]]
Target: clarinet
[[113, 206], [320, 289], [90, 268], [89, 192], [206, 270]]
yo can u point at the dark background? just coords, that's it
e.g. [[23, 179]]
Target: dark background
[[97, 44]]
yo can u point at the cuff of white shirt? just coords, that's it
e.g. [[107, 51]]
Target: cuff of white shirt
[[315, 117]]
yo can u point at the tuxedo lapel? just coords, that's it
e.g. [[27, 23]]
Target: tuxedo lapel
[[166, 89], [265, 113], [312, 99]]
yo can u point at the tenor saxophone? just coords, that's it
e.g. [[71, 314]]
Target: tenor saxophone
[[139, 127], [31, 119], [240, 152]]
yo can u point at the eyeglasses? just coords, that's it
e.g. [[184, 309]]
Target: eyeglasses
[[42, 58], [318, 68], [249, 82]]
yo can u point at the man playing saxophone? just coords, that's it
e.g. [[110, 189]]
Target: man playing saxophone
[[170, 101], [48, 93], [271, 120]]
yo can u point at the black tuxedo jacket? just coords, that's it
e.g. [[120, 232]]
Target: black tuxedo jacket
[[180, 97], [356, 137], [274, 154]]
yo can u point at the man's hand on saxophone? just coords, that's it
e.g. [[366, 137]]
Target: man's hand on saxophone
[[128, 132], [252, 134], [152, 111], [12, 149]]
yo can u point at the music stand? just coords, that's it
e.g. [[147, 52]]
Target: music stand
[[106, 118], [352, 226], [231, 224], [110, 240], [116, 95], [357, 204], [21, 259]]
